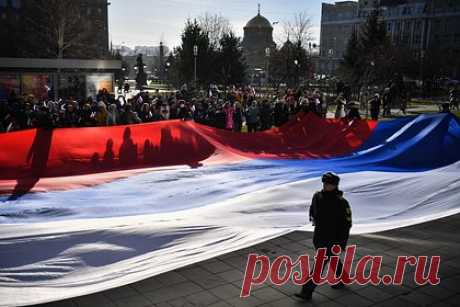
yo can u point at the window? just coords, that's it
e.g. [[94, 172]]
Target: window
[[457, 37], [16, 4]]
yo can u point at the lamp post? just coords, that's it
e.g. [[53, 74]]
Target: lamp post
[[267, 58], [331, 55], [369, 73], [167, 72], [422, 64], [296, 63], [195, 54]]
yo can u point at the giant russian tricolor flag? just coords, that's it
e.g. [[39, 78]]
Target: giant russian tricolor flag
[[88, 209]]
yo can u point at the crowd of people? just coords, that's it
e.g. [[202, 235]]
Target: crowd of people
[[230, 110], [225, 110]]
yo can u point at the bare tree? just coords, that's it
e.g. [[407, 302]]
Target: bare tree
[[56, 26], [298, 29], [215, 25]]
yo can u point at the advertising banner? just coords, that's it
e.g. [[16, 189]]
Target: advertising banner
[[37, 85], [8, 84], [97, 82]]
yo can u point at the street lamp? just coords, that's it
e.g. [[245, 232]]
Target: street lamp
[[195, 54], [422, 64], [267, 57], [296, 63], [167, 72], [368, 90], [331, 55]]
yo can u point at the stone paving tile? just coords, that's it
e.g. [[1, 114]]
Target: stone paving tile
[[446, 271], [180, 302], [216, 266], [354, 300], [203, 298], [374, 294], [249, 301], [442, 304], [67, 303], [148, 285], [137, 301], [169, 293], [231, 275], [436, 291], [119, 293], [294, 247], [287, 302], [419, 298], [220, 304], [333, 293], [236, 261], [171, 278], [395, 290], [396, 302], [203, 278], [253, 288], [331, 304], [452, 284], [289, 289], [93, 300], [297, 236], [454, 263], [227, 291], [317, 299], [268, 294], [454, 301]]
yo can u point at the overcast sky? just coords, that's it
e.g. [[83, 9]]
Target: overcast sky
[[147, 22]]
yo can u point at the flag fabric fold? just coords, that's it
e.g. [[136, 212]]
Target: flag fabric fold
[[177, 193]]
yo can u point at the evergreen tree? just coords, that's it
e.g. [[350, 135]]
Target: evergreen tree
[[172, 71], [230, 62], [374, 32], [282, 64], [369, 57], [351, 68], [193, 35]]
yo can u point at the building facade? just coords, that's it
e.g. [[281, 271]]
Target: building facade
[[24, 22], [32, 61], [338, 21], [420, 25]]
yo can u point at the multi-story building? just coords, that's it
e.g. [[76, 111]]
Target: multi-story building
[[417, 24], [338, 21], [22, 23], [33, 58]]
